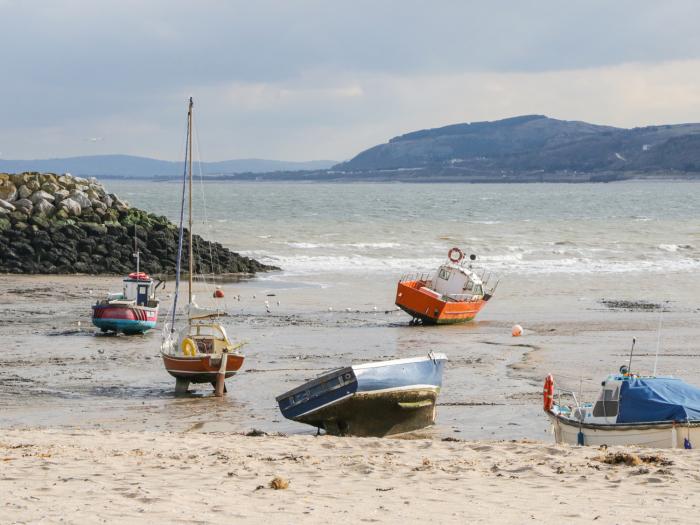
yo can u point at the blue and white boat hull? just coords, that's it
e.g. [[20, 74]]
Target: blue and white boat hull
[[371, 399]]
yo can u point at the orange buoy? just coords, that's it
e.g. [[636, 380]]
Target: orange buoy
[[548, 392], [218, 293], [517, 330]]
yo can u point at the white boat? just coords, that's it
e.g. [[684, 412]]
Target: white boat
[[649, 411]]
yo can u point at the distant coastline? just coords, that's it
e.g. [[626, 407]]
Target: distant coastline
[[427, 177]]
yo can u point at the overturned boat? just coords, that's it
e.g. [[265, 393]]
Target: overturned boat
[[370, 399], [455, 293], [659, 412]]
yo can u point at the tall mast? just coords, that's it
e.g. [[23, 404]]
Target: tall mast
[[189, 147]]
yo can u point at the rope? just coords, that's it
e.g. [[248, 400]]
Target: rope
[[217, 270]]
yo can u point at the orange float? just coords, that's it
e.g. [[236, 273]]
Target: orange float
[[548, 392]]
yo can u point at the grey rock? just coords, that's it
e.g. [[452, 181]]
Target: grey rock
[[43, 206], [8, 192], [24, 205], [50, 187], [24, 192], [60, 195], [71, 206], [82, 199], [6, 205], [41, 195]]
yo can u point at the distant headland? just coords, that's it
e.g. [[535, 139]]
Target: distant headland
[[529, 148]]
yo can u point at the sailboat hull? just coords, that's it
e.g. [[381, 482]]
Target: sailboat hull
[[200, 369]]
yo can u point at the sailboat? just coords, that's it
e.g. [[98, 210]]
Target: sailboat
[[200, 350]]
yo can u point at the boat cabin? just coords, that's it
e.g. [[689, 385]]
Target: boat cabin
[[606, 407], [210, 338], [627, 398], [457, 283], [141, 289]]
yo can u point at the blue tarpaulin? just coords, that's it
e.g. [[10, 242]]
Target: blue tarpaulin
[[658, 399]]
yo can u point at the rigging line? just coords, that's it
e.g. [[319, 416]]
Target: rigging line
[[217, 270], [195, 243], [178, 265]]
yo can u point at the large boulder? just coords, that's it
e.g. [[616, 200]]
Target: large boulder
[[41, 195], [50, 187], [43, 206], [59, 195], [24, 192], [81, 198], [71, 206], [8, 191], [24, 205]]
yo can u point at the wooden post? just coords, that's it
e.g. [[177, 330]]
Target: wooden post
[[221, 376]]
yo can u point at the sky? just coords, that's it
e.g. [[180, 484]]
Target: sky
[[325, 79]]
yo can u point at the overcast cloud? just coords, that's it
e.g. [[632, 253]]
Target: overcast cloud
[[313, 79]]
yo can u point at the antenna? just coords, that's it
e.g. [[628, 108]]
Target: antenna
[[629, 366], [136, 253], [658, 340]]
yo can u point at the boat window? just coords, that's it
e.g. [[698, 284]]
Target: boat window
[[478, 290], [469, 286], [608, 405], [444, 274]]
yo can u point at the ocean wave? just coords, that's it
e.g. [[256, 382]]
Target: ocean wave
[[674, 247], [500, 264]]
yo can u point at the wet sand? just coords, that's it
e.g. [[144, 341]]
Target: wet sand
[[56, 370]]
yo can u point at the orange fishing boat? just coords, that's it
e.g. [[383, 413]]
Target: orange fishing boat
[[455, 293]]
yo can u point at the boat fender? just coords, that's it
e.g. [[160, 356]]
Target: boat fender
[[455, 255], [188, 347], [548, 392]]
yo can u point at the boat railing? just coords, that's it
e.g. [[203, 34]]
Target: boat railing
[[563, 392], [426, 278], [462, 297]]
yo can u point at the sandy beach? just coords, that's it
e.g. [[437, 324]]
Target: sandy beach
[[88, 476]]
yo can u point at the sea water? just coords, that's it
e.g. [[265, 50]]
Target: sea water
[[390, 228]]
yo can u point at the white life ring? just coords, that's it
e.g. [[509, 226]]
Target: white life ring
[[455, 255]]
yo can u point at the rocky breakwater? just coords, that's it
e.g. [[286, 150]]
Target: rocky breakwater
[[60, 224]]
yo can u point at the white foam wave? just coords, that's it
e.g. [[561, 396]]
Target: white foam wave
[[502, 264], [674, 247]]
